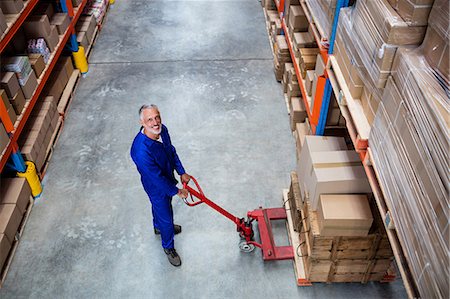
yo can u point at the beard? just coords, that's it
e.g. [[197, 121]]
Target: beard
[[155, 131]]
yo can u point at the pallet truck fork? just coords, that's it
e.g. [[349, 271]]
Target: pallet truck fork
[[245, 226]]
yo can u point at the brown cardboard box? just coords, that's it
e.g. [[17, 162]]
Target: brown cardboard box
[[10, 83], [12, 114], [4, 98], [11, 6], [15, 191], [293, 90], [309, 81], [5, 247], [301, 130], [30, 86], [82, 40], [18, 102], [298, 112], [412, 14], [313, 88], [54, 88], [316, 144], [3, 25], [334, 172], [37, 63], [307, 63], [436, 51], [61, 21], [44, 8], [75, 3], [344, 215], [37, 27], [10, 219], [87, 24], [304, 40], [52, 39], [320, 65], [31, 151], [4, 138], [297, 19]]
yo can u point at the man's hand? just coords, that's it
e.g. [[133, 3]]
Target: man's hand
[[185, 178], [183, 193]]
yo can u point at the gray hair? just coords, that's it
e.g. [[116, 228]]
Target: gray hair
[[147, 106]]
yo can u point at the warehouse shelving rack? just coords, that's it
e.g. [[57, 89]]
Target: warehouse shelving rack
[[14, 130], [356, 122]]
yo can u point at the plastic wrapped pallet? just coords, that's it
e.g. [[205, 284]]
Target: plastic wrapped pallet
[[323, 10], [435, 45], [413, 12], [410, 141], [377, 31]]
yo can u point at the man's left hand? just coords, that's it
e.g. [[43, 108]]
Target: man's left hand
[[185, 178]]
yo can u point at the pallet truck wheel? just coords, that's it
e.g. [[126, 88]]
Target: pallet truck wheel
[[244, 247]]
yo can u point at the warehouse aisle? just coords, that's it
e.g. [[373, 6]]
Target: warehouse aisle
[[208, 65]]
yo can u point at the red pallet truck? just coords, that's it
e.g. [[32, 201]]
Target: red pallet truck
[[245, 227]]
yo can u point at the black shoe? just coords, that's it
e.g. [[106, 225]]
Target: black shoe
[[176, 228], [173, 256]]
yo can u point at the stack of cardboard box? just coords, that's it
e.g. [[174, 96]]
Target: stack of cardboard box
[[85, 30], [323, 12], [38, 26], [58, 80], [281, 56], [15, 197], [11, 6], [3, 25], [36, 136]]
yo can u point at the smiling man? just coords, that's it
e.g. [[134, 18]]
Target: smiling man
[[156, 159]]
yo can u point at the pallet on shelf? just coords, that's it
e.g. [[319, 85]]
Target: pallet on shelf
[[12, 251]]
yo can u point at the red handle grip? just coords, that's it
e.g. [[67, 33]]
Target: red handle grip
[[197, 193]]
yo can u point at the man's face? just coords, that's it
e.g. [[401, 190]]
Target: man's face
[[151, 121]]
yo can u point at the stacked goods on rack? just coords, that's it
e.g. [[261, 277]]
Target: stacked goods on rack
[[323, 11], [11, 7], [97, 8], [85, 29], [409, 141], [36, 136], [15, 197], [340, 239], [281, 56], [58, 80], [268, 5], [3, 25]]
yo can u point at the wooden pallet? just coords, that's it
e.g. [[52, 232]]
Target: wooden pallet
[[15, 244], [294, 240], [67, 95]]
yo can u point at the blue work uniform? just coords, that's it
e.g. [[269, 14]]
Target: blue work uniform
[[156, 162]]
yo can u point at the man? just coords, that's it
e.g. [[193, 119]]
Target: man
[[156, 159]]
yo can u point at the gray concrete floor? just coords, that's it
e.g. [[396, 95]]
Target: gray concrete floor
[[208, 65]]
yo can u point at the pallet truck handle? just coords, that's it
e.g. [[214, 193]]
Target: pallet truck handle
[[198, 192]]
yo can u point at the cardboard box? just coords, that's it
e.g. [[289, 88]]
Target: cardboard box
[[18, 102], [10, 84], [53, 88], [61, 21], [87, 24], [10, 219], [15, 191], [3, 25], [345, 215], [37, 63], [44, 8], [301, 131], [5, 247], [334, 172], [82, 40], [320, 65], [37, 26], [413, 14], [297, 19], [313, 88], [316, 144], [11, 6], [52, 39], [30, 86], [298, 112], [12, 114], [436, 51], [304, 40], [309, 81], [4, 138], [75, 3]]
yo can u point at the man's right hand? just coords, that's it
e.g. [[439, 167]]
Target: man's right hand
[[183, 193]]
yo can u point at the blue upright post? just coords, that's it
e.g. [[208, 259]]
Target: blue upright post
[[18, 162], [320, 129]]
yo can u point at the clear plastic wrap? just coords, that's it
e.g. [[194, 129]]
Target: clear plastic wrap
[[377, 31], [410, 142], [413, 12], [436, 42], [323, 11]]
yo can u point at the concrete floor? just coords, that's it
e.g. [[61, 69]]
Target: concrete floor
[[208, 65]]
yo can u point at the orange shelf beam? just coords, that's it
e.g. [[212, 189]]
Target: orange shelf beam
[[43, 80]]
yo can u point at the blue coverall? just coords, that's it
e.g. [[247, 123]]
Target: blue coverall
[[156, 163]]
